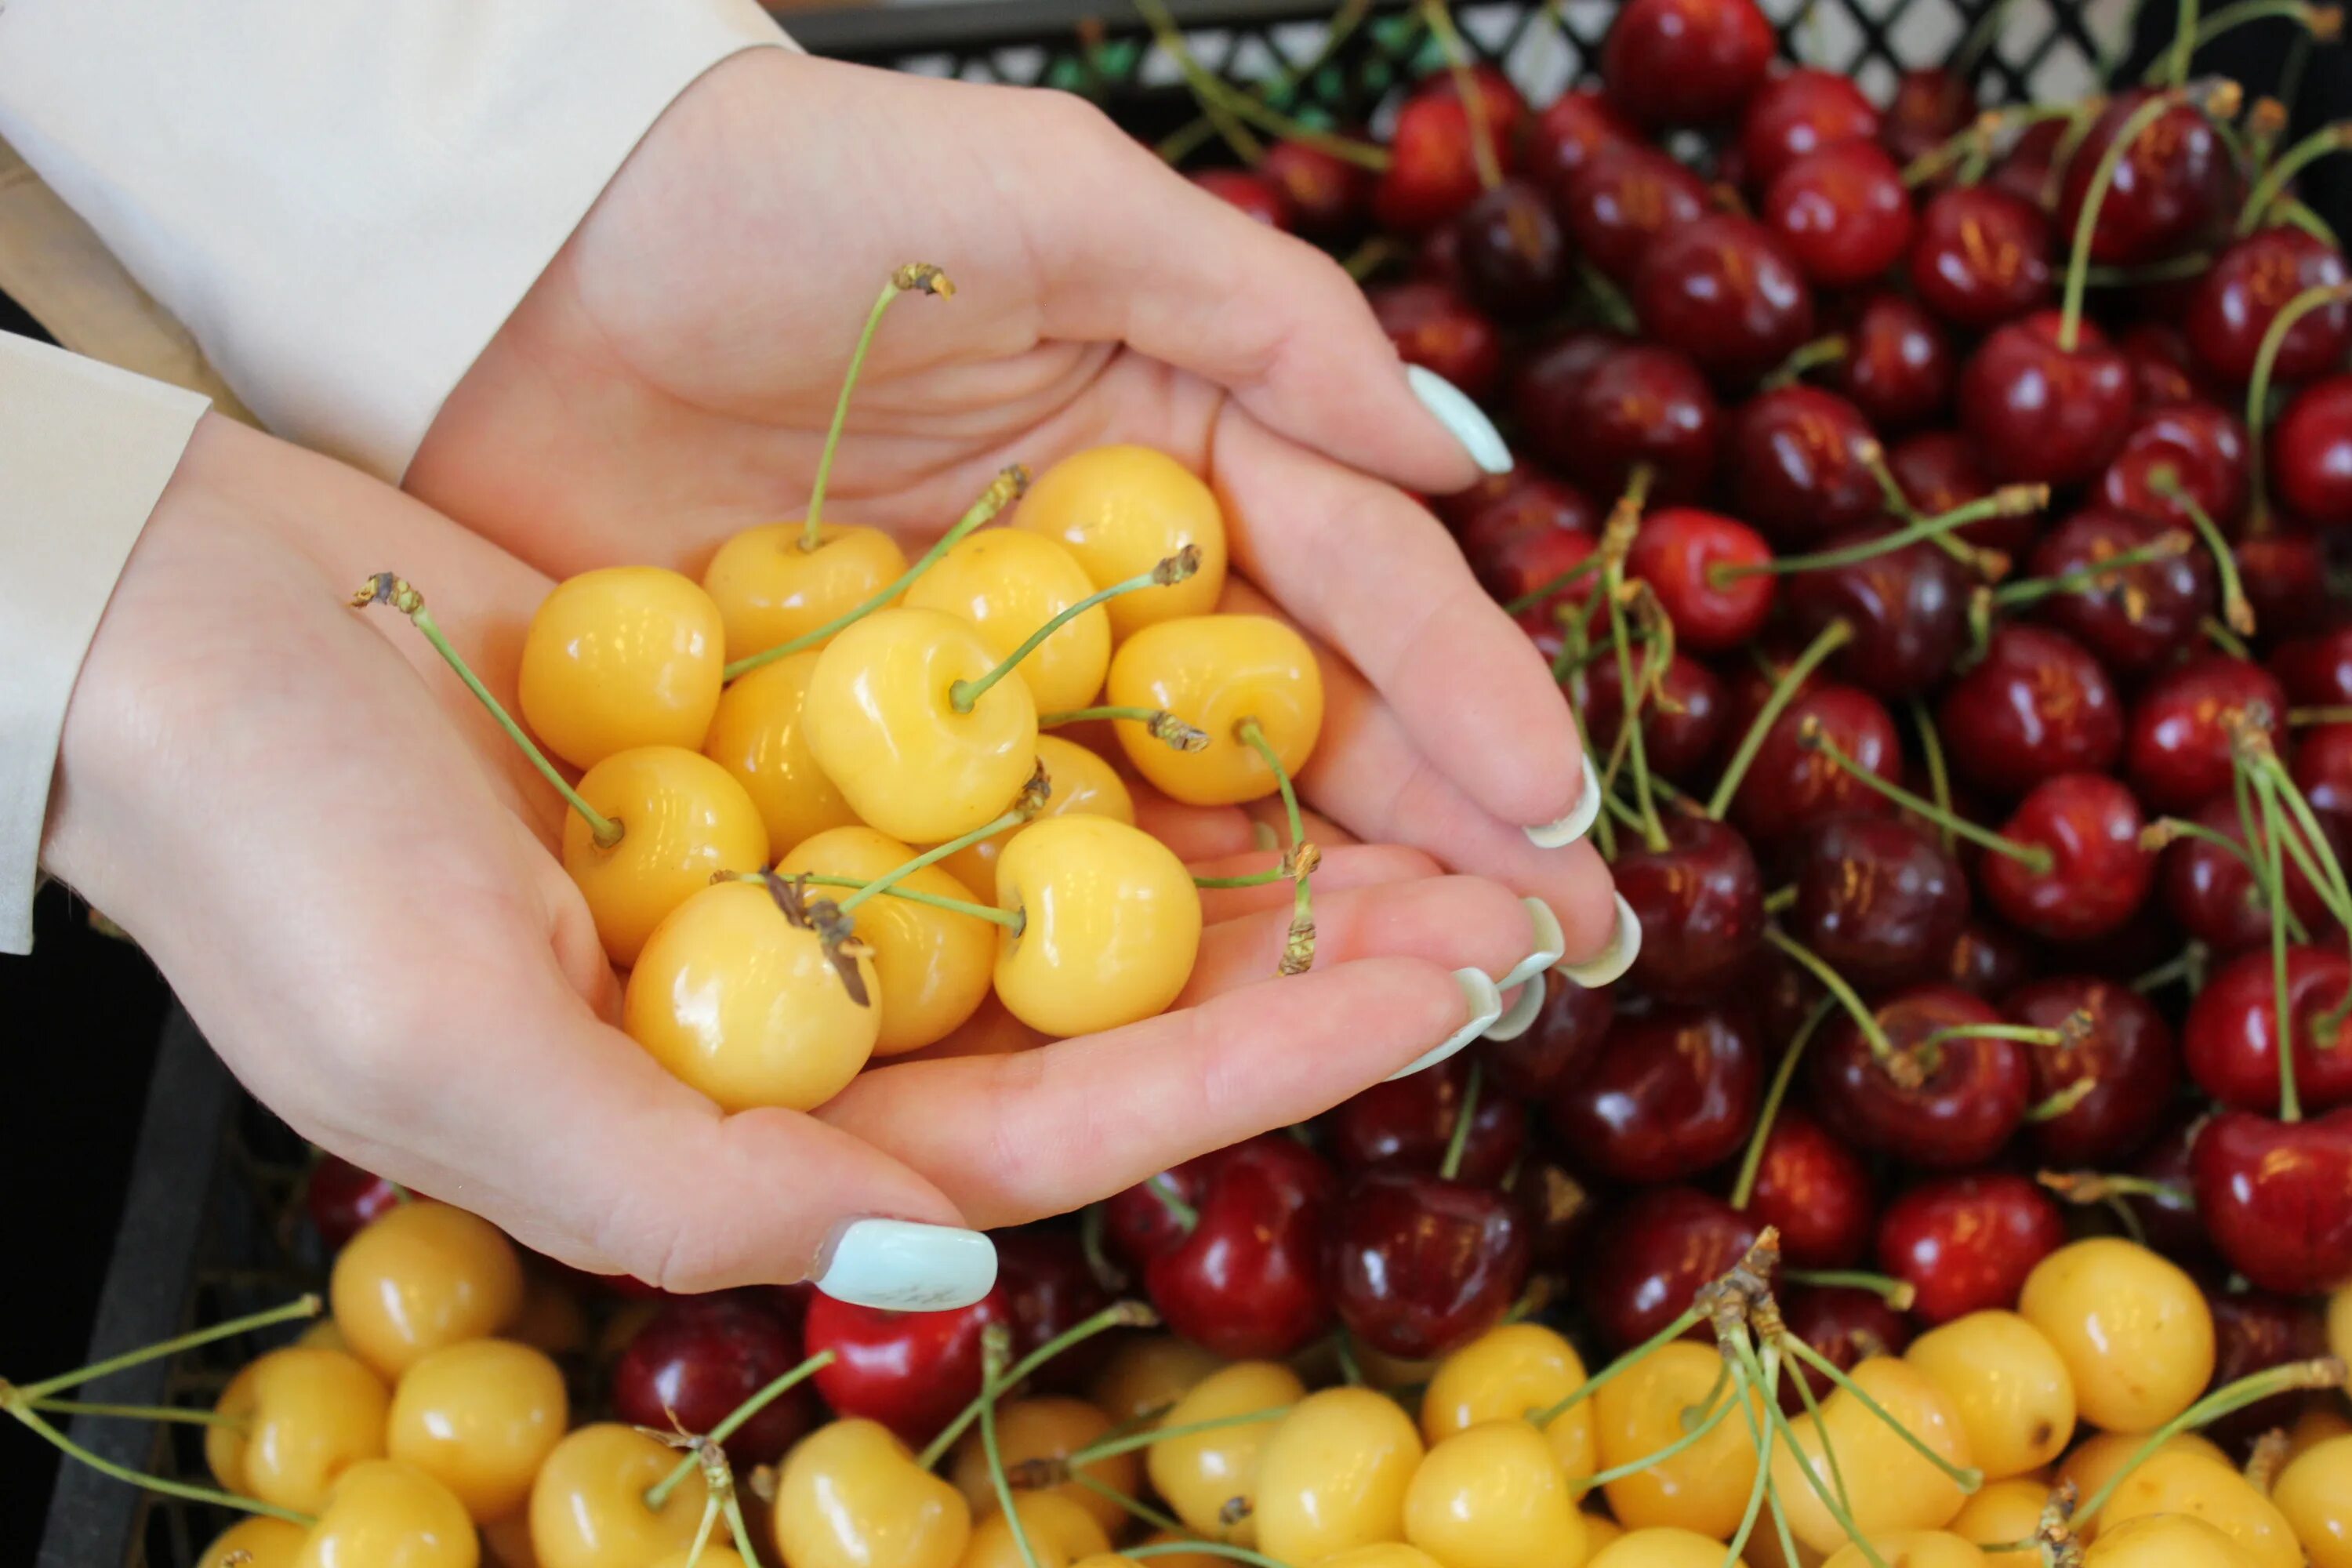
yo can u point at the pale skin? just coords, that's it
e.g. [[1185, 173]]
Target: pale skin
[[349, 875]]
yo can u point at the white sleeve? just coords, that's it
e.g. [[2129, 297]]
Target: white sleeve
[[85, 451], [345, 200]]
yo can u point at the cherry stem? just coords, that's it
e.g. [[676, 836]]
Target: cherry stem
[[1117, 1315], [1980, 39], [1762, 1436], [2187, 967], [1136, 1506], [1767, 1370], [14, 1401], [1831, 638], [1450, 1168], [1939, 778], [1003, 492], [2061, 1101], [1743, 1190], [1176, 568], [1635, 697], [1967, 1478], [2026, 1034], [306, 1306], [2317, 861], [1299, 945], [2336, 138], [1164, 726], [1806, 357], [2095, 575], [1126, 1443], [1592, 1386], [1206, 90], [2304, 717], [915, 276], [2069, 320], [657, 1495], [2033, 857], [889, 879], [1277, 872], [2274, 861], [385, 588], [2258, 388], [2175, 60], [1265, 117], [1608, 301], [2327, 1371], [1440, 22], [1537, 595], [1881, 1049], [1974, 142], [702, 1532], [2084, 116], [1839, 1506], [741, 1532], [2172, 269], [2010, 501], [1006, 917], [995, 1346], [1183, 142], [180, 1413], [2167, 830], [2235, 610], [1896, 1293]]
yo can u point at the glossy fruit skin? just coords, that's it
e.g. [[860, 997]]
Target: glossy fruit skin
[[1906, 1492], [1417, 1264], [1989, 959], [2188, 1485], [770, 589], [1727, 291], [423, 1276], [341, 1198], [1527, 538], [1079, 782], [2214, 896], [1898, 368], [1673, 1093], [2165, 1541], [2273, 568], [1432, 172], [1843, 213], [256, 1540], [1799, 459], [933, 966], [911, 1372], [2311, 452], [1640, 1412], [1045, 1273], [2178, 748], [2133, 1329], [1085, 962], [1326, 195], [2127, 1054], [2169, 186], [850, 1496], [1938, 470], [2253, 1331], [2013, 1394], [1514, 257], [758, 737], [1008, 582], [1569, 130], [2037, 705], [2314, 1495], [1492, 1496], [1051, 1427], [1679, 549], [1546, 377], [701, 1356], [1205, 1474], [1559, 1048], [1967, 1243], [2200, 446], [1800, 110], [1971, 1095], [1247, 1281], [1643, 403], [1846, 1325], [1624, 194], [2323, 771], [2132, 620], [1658, 1250], [1685, 62], [2040, 412], [587, 1504], [1407, 1122], [1815, 1190], [384, 1512], [1700, 901], [1679, 744], [2316, 669], [1214, 671], [1908, 606], [1333, 1476], [1559, 1210], [2100, 875], [1790, 787], [1433, 327], [1981, 257], [621, 656], [1879, 898], [1503, 1375], [1121, 511], [307, 1415], [693, 821], [2230, 1041], [2272, 1194], [479, 1417]]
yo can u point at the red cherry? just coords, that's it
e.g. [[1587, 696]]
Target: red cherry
[[1513, 256], [910, 1371], [1843, 212], [2210, 891], [1897, 369], [1501, 105], [1938, 471], [2038, 410], [1528, 538], [1981, 257], [1683, 554], [1931, 105], [1987, 960], [1658, 1250], [2171, 187], [1673, 1093], [2197, 446], [2230, 1040], [1409, 1121], [1801, 111], [1569, 130], [1700, 901], [2132, 619], [1846, 1327], [1329, 197], [2323, 771], [1970, 1091], [1727, 291], [2276, 569], [1433, 327], [2025, 170], [1800, 465], [2254, 1332], [1878, 898], [1558, 1210], [1044, 1275], [1622, 198], [1252, 193], [1685, 62], [699, 1357], [1815, 1190], [2162, 368], [2098, 876], [341, 1198], [2177, 750], [2125, 1052], [2311, 452], [1417, 1264], [1640, 404], [1245, 1281], [2242, 294], [2272, 1196], [1432, 171], [1560, 1046], [2315, 670], [1679, 737], [2167, 1211], [2035, 705], [1790, 785], [1546, 383], [1967, 1243], [1909, 608]]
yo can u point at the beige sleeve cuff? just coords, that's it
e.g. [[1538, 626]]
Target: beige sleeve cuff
[[85, 451]]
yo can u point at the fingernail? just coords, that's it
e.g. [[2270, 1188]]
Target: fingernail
[[1579, 821], [906, 1266], [1549, 945], [1465, 418], [1486, 1005], [1521, 1014], [1612, 962]]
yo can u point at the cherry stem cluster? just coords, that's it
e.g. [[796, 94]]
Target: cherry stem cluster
[[1350, 16], [915, 278]]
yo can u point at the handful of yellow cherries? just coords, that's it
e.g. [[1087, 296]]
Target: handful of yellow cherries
[[761, 752]]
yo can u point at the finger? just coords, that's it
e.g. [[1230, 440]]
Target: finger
[[1051, 1129], [1193, 832], [1377, 577], [1354, 865], [1454, 922], [1271, 815]]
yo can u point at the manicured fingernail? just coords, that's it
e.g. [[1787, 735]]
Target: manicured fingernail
[[1577, 823], [1549, 945], [1612, 962], [1467, 422], [1485, 1001], [905, 1266], [1520, 1015]]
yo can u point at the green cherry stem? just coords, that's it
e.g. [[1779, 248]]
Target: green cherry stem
[[2336, 138], [1762, 1436], [710, 1512], [1831, 637], [2236, 612], [1175, 569], [1205, 89], [995, 1346], [17, 1405], [2060, 1101], [2177, 57], [1806, 357], [2034, 858], [2305, 718], [2010, 501], [2274, 863], [915, 278], [1896, 1293], [180, 1413], [1716, 1406], [1939, 777], [2327, 1371], [1767, 1372], [1163, 726], [1299, 946], [301, 1307], [1881, 1047], [890, 880], [1440, 22], [657, 1495], [1451, 1167], [2258, 390], [1117, 1315], [1538, 594], [733, 1507], [1182, 142], [1629, 726], [1006, 917], [2078, 266], [2024, 1034], [2095, 575], [1136, 1506], [1744, 1189], [1832, 1494]]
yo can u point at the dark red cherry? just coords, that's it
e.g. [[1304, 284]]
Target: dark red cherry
[[1044, 1276], [1433, 327], [2035, 705], [1500, 103], [1245, 1281], [1674, 1092], [2167, 1211], [1931, 105], [2177, 747], [1328, 196], [1790, 785], [2272, 1196], [341, 1198], [1967, 1243], [701, 1356], [2316, 669], [1529, 537], [1799, 462], [1513, 256], [2311, 452], [2120, 1043], [2134, 617], [1988, 959], [1843, 212], [1416, 1265], [2195, 445], [2242, 294], [2025, 171], [1727, 291], [2229, 1039], [912, 1372], [1941, 1106], [1640, 404], [1897, 368], [1685, 554], [1433, 173], [2323, 771], [1569, 130], [2254, 1332], [2162, 368], [1409, 1121], [1938, 471], [1558, 1209], [1801, 111], [2171, 187], [1437, 258], [1620, 198], [2276, 569], [1815, 1190], [2214, 896], [1559, 1048], [1685, 62], [2040, 411], [1845, 1326], [1251, 193], [1679, 736], [1546, 383], [1700, 901], [1879, 898], [1909, 608], [1655, 1251], [1981, 256], [2099, 875]]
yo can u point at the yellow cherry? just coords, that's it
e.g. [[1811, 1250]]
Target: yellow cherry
[[1121, 1559], [622, 656], [1333, 1475], [2095, 1463], [1120, 509], [506, 1542], [2007, 1384], [931, 966], [2133, 1329], [1060, 1534], [1661, 1546], [2339, 1324], [1912, 1549], [257, 1543], [2191, 1484], [713, 1555], [883, 722], [384, 1514], [588, 1504], [2165, 1541], [1890, 1485], [1212, 672], [1643, 1411], [1389, 1373], [771, 588], [2314, 1493], [747, 1007], [1178, 1559], [1049, 1428], [758, 736], [851, 1495], [1599, 1529], [1146, 1374], [1509, 1372], [1111, 925], [1080, 785], [682, 819], [2004, 1512], [2318, 1422], [1492, 1495], [1210, 1479], [419, 1277], [479, 1417], [551, 1318], [1009, 582], [322, 1335], [1380, 1554], [304, 1417]]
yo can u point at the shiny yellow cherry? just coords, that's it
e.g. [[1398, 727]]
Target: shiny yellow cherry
[[506, 1542], [1111, 925], [1080, 784], [2002, 1512], [2314, 1493], [747, 1007], [1123, 510], [1891, 1485], [1213, 672], [1007, 582], [479, 1417], [1210, 1479], [2321, 1422], [1509, 1372], [771, 588], [2165, 1541], [1912, 1549], [384, 1514], [322, 1335], [2339, 1324], [682, 819], [931, 966], [304, 1416], [2189, 1483], [2095, 1463], [2133, 1329], [1333, 1475], [1178, 1559], [1661, 1546], [1060, 1534], [1380, 1554], [884, 724], [1599, 1529], [257, 1543], [588, 1504], [851, 1495], [2007, 1384], [758, 736], [1492, 1495], [419, 1277], [713, 1556], [1049, 1428], [1146, 1374], [622, 656], [1642, 1412]]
